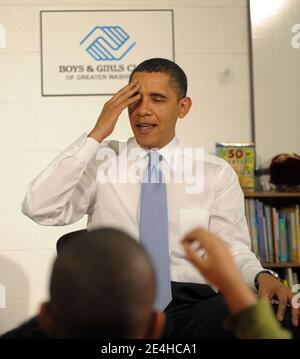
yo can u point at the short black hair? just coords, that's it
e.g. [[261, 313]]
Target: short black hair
[[67, 238], [102, 286], [177, 76]]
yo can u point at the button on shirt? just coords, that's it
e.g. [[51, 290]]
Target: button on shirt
[[104, 182]]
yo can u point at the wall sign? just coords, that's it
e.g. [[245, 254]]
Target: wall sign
[[93, 52]]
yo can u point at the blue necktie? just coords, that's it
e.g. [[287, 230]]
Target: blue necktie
[[154, 228]]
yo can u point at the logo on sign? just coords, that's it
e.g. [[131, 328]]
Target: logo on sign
[[296, 297], [107, 43]]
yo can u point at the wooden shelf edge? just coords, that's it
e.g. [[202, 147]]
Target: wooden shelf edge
[[280, 265], [258, 194]]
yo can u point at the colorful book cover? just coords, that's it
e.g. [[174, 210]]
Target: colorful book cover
[[275, 234], [260, 231], [267, 214], [294, 228], [291, 235], [241, 156], [248, 217], [254, 227], [297, 231], [283, 246], [290, 277]]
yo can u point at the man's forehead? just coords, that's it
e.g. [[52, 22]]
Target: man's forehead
[[154, 81]]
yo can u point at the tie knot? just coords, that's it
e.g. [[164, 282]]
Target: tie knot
[[154, 158]]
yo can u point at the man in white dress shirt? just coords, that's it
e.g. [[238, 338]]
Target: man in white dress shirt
[[103, 180]]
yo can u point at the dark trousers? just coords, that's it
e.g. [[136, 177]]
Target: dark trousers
[[195, 312], [198, 312]]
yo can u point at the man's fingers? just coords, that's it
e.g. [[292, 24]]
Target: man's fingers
[[117, 104], [282, 303], [265, 293], [131, 100], [126, 90], [126, 87], [124, 98]]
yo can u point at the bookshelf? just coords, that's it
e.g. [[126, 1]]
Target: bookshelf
[[280, 265], [274, 225], [271, 194]]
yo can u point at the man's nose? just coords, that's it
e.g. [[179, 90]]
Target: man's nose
[[144, 108]]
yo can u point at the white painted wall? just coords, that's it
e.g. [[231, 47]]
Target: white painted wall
[[211, 44], [276, 60]]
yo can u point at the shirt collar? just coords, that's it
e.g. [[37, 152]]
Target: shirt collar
[[166, 151]]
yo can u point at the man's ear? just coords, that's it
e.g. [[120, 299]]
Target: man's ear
[[185, 105], [45, 320], [156, 325]]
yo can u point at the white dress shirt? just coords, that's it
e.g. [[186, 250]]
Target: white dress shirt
[[71, 187]]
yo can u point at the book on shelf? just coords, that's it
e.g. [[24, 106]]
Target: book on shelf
[[274, 232], [293, 228], [241, 156], [284, 254], [290, 278]]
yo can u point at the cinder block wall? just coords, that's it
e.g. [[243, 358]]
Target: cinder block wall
[[211, 44]]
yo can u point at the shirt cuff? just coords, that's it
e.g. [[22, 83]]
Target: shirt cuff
[[250, 267]]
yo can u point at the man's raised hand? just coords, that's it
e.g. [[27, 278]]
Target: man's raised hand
[[112, 109]]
